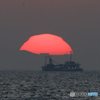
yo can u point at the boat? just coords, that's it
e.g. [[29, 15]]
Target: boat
[[67, 66]]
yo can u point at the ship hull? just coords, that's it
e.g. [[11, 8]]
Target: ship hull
[[60, 69]]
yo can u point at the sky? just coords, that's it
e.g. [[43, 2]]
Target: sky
[[76, 21]]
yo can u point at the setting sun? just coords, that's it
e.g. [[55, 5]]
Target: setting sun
[[47, 43]]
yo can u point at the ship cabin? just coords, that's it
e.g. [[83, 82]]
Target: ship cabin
[[71, 65]]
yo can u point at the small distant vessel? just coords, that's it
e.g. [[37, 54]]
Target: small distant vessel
[[68, 66]]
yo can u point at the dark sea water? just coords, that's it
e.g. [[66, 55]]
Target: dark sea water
[[39, 85]]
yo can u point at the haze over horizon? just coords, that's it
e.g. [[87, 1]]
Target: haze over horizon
[[76, 21]]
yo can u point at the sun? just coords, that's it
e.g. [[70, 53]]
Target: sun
[[47, 43]]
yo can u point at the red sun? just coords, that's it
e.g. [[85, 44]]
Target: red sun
[[47, 43]]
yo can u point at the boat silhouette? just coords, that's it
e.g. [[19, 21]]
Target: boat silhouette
[[67, 66]]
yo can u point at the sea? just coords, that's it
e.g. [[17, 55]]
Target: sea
[[51, 85]]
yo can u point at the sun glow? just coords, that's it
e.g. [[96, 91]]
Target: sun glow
[[47, 43]]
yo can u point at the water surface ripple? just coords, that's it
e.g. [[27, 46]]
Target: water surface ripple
[[39, 85]]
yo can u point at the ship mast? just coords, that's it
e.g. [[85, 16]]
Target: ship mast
[[70, 56], [50, 60]]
